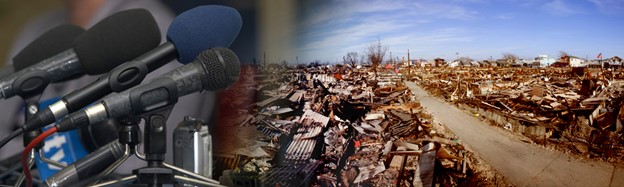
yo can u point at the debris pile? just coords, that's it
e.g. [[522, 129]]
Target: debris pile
[[342, 127], [578, 110]]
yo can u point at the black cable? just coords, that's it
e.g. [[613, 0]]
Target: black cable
[[13, 172], [10, 137], [10, 170]]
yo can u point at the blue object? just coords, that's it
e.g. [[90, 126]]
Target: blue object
[[203, 27], [64, 147]]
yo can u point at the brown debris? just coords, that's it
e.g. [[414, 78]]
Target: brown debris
[[324, 128], [579, 107]]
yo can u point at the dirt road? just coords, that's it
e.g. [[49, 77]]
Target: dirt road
[[522, 163]]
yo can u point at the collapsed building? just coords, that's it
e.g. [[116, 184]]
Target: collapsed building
[[578, 110], [337, 127]]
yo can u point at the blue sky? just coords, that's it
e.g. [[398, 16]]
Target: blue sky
[[328, 29]]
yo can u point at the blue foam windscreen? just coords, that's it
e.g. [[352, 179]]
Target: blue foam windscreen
[[201, 28]]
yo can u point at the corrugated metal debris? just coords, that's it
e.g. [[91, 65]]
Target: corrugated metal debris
[[577, 110], [320, 130]]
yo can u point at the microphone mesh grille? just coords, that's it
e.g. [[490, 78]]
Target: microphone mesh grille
[[222, 68]]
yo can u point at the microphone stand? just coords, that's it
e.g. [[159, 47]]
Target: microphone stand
[[30, 87], [31, 108], [157, 172]]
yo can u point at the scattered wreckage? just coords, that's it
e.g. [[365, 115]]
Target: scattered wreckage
[[338, 127], [578, 110]]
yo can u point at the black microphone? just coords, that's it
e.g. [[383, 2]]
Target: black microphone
[[87, 166], [6, 71], [214, 69], [190, 33], [112, 41], [50, 43]]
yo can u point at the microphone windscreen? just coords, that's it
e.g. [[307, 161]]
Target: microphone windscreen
[[50, 43], [222, 68], [201, 28], [116, 39]]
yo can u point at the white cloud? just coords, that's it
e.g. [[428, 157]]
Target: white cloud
[[339, 44], [609, 6], [330, 30], [503, 17], [561, 8], [468, 1], [357, 32], [527, 3], [442, 10], [333, 29], [345, 9]]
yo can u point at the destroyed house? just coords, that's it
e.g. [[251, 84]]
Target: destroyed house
[[360, 130], [580, 108]]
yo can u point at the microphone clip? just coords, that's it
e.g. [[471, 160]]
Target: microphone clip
[[155, 147]]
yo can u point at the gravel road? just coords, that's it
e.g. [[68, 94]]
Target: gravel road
[[522, 163]]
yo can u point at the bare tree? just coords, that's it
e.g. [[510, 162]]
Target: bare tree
[[351, 59], [563, 54], [512, 58], [375, 55], [285, 64]]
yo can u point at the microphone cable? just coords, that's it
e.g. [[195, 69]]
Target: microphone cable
[[27, 150], [10, 137]]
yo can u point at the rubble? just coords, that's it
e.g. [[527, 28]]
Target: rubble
[[577, 110], [343, 127]]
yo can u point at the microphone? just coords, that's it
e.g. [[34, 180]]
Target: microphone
[[88, 166], [114, 40], [53, 41], [214, 69], [6, 71], [189, 34], [50, 43]]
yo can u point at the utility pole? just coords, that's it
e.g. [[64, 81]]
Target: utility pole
[[601, 64], [409, 64]]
